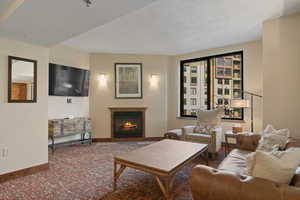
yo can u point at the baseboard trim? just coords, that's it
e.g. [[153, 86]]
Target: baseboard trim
[[23, 172], [127, 139]]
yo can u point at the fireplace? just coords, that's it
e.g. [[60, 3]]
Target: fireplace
[[127, 122]]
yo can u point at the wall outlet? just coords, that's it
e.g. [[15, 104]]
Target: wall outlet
[[69, 100]]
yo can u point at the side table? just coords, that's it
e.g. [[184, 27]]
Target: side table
[[228, 134]]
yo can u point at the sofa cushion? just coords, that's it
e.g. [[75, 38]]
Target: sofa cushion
[[235, 161], [273, 139], [250, 163], [208, 120], [247, 142], [203, 129], [205, 138], [277, 166], [269, 128], [210, 117]]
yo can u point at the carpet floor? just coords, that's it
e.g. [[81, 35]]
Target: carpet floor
[[84, 172]]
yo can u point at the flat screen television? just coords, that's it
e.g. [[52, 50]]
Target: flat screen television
[[68, 81]]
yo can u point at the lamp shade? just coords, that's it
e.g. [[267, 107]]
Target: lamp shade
[[239, 103]]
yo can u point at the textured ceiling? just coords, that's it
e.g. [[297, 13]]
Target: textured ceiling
[[48, 22], [4, 4], [174, 26], [166, 27]]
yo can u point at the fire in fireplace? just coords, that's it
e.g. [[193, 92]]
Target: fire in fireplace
[[128, 124]]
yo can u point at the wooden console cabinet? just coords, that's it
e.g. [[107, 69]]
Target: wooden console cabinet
[[58, 128]]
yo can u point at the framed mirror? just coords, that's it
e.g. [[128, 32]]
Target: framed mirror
[[22, 80]]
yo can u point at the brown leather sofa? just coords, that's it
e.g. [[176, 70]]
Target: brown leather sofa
[[227, 182]]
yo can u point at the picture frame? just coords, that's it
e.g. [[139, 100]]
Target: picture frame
[[128, 81]]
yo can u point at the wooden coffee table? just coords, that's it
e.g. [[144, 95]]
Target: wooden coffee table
[[162, 159]]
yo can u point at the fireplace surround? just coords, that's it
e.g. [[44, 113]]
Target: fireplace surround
[[127, 122]]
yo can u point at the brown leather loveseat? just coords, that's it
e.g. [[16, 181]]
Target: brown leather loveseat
[[227, 183]]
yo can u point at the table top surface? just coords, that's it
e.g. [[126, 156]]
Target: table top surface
[[165, 155]]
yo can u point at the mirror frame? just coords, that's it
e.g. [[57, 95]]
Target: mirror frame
[[10, 100]]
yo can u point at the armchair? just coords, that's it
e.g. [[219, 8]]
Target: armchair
[[213, 139], [206, 130]]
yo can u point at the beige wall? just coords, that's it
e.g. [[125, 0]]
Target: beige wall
[[23, 126], [252, 82], [58, 106], [102, 97], [281, 59]]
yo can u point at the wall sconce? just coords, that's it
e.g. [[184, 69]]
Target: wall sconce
[[154, 78], [102, 78]]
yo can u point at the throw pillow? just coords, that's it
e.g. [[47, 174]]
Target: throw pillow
[[269, 129], [208, 120], [250, 163], [210, 117], [203, 129], [277, 166], [273, 140]]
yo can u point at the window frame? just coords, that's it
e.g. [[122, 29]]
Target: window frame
[[209, 85]]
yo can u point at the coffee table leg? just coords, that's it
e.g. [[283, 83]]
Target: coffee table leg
[[117, 173], [115, 180], [167, 187]]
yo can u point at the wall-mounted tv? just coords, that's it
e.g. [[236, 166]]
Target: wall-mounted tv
[[68, 81]]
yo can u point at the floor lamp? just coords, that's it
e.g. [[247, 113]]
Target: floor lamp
[[243, 103]]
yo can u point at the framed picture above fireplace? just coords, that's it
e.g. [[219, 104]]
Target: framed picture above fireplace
[[128, 81]]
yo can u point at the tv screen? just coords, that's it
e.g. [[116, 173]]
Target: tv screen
[[68, 81]]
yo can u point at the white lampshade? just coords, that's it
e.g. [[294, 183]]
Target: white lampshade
[[239, 103]]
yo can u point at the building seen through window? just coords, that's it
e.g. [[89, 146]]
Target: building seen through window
[[211, 82]]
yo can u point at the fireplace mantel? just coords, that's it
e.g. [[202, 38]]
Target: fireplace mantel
[[115, 108]]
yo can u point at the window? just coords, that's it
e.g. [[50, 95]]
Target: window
[[193, 79], [196, 86], [194, 112], [226, 91], [228, 72], [193, 91], [220, 91], [220, 72], [193, 101], [226, 101], [212, 81], [220, 101], [194, 69]]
